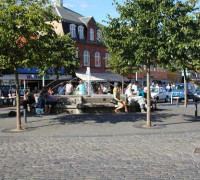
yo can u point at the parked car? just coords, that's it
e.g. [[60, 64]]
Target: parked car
[[159, 94], [178, 91], [197, 95]]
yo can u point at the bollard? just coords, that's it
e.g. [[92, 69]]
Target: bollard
[[25, 117], [171, 98], [177, 102], [196, 109]]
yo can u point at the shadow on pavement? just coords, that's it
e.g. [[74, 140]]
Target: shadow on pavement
[[191, 118], [111, 118]]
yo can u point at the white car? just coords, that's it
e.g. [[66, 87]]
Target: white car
[[159, 94]]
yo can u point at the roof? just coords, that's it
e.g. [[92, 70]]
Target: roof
[[71, 16], [86, 20]]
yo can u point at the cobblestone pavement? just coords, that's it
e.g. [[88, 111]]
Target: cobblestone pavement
[[109, 146]]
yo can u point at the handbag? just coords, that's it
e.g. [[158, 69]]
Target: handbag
[[113, 101]]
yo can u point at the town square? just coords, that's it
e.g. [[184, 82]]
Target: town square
[[95, 90]]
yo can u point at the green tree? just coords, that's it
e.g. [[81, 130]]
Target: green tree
[[181, 32], [136, 34], [63, 55], [26, 33], [120, 65]]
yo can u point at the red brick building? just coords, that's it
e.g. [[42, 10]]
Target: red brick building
[[87, 34], [158, 75], [90, 50]]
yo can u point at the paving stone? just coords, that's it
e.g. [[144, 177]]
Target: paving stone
[[108, 147]]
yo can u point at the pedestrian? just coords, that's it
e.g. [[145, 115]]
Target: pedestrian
[[99, 90], [69, 88], [143, 93], [116, 96], [135, 88], [61, 89], [105, 90], [50, 91], [133, 97], [81, 88], [27, 99], [168, 87]]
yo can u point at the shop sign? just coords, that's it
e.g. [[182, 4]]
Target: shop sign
[[36, 77]]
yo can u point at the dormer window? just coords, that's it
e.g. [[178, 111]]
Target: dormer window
[[81, 32], [73, 30], [91, 34], [99, 35], [97, 59]]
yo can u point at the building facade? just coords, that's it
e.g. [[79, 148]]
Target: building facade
[[87, 34]]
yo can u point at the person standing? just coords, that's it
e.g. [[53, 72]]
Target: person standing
[[69, 88], [116, 96], [168, 88], [61, 90]]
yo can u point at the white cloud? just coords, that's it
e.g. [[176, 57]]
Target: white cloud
[[84, 5], [68, 5]]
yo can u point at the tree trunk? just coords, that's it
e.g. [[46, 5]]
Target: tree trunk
[[185, 89], [122, 84], [148, 98], [18, 115]]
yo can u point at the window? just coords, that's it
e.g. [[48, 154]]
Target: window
[[81, 32], [107, 57], [73, 30], [97, 59], [99, 35], [91, 34], [86, 58]]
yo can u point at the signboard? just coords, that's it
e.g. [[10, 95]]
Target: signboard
[[36, 77]]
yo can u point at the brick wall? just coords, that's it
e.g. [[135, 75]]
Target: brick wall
[[91, 48]]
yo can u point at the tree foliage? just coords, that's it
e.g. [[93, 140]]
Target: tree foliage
[[151, 33], [28, 39], [135, 37], [63, 55], [181, 30]]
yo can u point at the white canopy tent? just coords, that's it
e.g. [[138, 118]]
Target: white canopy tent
[[102, 77]]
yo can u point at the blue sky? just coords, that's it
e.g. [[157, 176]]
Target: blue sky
[[96, 8]]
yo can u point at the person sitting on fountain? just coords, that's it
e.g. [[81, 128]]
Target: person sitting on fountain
[[116, 96], [69, 88], [81, 88]]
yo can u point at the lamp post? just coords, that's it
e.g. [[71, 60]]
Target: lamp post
[[43, 81]]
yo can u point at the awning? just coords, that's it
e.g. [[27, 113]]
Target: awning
[[104, 77], [34, 77]]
